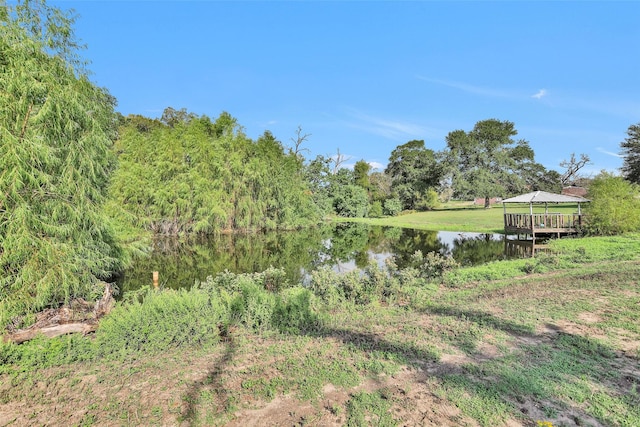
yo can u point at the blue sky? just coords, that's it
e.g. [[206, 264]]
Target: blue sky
[[364, 77]]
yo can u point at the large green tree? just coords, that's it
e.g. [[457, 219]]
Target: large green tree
[[487, 162], [414, 170], [56, 129], [187, 173], [631, 154]]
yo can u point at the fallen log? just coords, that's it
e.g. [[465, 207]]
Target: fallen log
[[79, 316]]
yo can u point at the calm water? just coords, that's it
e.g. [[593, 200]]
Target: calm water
[[343, 246]]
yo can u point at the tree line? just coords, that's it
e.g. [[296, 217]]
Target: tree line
[[77, 179]]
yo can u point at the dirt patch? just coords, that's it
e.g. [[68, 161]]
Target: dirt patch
[[589, 317]]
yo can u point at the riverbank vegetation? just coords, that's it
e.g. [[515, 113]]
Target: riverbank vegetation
[[553, 338], [83, 187]]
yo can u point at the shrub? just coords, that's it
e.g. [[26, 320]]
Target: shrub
[[614, 207], [161, 321], [433, 265], [392, 207], [429, 201], [293, 311], [351, 201], [272, 279], [376, 209], [252, 307]]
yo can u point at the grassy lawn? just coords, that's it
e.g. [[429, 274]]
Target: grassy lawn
[[460, 216], [553, 339]]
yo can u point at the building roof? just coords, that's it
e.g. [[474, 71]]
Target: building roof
[[544, 197]]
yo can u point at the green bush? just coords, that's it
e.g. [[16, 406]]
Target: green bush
[[351, 201], [376, 209], [614, 207], [293, 311], [433, 265], [271, 279], [429, 201], [393, 206], [252, 307], [162, 320]]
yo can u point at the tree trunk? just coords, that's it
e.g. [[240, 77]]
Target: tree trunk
[[487, 202], [79, 316]]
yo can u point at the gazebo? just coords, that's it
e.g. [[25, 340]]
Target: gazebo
[[547, 223]]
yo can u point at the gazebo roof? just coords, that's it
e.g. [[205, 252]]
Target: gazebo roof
[[545, 197]]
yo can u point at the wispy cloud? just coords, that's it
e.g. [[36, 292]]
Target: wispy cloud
[[609, 153], [466, 87], [541, 93], [388, 128]]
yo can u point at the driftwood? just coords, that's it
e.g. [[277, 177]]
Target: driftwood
[[79, 316]]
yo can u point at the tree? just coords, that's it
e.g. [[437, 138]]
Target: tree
[[485, 161], [413, 170], [570, 176], [350, 201], [614, 206], [380, 186], [338, 160], [171, 117], [298, 141], [204, 176], [56, 130], [631, 154], [361, 174]]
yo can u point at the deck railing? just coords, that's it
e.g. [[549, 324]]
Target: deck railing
[[542, 221]]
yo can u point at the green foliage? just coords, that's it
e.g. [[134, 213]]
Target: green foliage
[[631, 154], [252, 307], [433, 265], [263, 300], [189, 174], [379, 186], [428, 201], [162, 320], [374, 283], [43, 352], [272, 280], [369, 409], [293, 312], [350, 201], [393, 206], [56, 130], [413, 170], [614, 207], [361, 174], [487, 162], [376, 209]]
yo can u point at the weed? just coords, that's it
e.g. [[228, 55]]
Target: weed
[[369, 409]]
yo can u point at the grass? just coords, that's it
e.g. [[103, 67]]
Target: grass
[[459, 216], [554, 339]]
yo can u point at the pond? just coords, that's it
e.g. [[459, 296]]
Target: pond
[[344, 246]]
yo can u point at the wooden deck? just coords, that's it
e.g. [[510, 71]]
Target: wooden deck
[[542, 224]]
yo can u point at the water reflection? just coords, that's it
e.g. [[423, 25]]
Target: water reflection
[[182, 262]]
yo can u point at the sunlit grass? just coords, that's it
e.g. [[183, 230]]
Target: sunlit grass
[[460, 216]]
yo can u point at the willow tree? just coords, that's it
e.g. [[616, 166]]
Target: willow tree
[[56, 129], [188, 174]]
